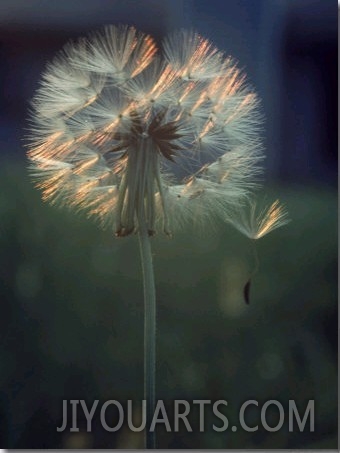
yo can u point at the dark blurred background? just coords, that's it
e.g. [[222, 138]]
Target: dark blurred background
[[71, 295]]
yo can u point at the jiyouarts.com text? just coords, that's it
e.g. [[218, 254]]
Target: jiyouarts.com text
[[251, 415]]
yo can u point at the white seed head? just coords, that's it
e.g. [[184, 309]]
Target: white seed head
[[121, 131]]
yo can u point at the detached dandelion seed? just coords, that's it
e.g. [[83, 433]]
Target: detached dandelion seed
[[144, 142], [256, 225]]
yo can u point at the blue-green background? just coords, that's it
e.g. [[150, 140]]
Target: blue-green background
[[71, 324]]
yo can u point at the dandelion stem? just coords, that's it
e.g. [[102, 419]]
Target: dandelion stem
[[149, 327]]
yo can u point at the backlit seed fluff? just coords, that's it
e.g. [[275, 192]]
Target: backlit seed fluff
[[128, 132]]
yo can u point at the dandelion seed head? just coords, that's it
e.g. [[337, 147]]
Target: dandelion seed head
[[124, 130]]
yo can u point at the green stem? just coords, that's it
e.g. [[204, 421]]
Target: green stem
[[149, 327]]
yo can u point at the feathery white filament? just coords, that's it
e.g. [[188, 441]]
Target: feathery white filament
[[257, 224]]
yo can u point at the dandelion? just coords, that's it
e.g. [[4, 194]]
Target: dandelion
[[144, 141]]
